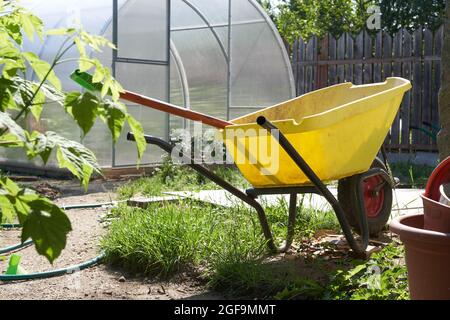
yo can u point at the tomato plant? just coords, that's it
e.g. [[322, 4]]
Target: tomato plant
[[42, 220]]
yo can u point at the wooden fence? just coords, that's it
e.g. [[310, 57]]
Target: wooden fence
[[372, 58]]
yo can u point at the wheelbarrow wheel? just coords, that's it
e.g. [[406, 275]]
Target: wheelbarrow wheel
[[377, 200]]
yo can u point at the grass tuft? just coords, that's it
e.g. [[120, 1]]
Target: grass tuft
[[227, 243], [163, 240]]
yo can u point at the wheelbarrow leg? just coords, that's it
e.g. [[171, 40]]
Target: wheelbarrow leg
[[291, 223], [167, 147], [301, 163]]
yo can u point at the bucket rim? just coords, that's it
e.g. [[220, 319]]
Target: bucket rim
[[425, 198], [400, 227]]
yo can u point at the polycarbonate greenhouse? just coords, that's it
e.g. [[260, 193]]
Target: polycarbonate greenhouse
[[221, 57]]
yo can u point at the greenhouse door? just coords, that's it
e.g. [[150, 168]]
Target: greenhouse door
[[141, 64]]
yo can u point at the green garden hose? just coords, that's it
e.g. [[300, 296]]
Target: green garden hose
[[57, 272], [10, 226], [16, 247], [68, 207], [52, 273]]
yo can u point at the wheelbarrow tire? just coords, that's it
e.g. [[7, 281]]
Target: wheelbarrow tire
[[347, 196]]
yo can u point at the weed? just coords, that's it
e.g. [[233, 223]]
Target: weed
[[262, 279], [383, 277], [410, 174]]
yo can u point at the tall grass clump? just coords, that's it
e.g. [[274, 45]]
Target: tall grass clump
[[227, 243], [308, 220], [162, 240]]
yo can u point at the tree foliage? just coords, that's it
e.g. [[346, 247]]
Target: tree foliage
[[305, 18], [411, 14], [21, 98]]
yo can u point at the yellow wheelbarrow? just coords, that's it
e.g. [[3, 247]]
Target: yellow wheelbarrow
[[297, 146]]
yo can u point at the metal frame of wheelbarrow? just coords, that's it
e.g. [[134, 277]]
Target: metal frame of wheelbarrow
[[318, 187]]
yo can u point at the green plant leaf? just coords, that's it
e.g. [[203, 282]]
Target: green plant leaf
[[136, 128], [84, 63], [114, 115], [60, 32], [17, 93], [6, 99], [7, 210], [17, 197], [99, 74], [38, 104], [75, 157], [27, 26], [9, 140], [48, 226], [10, 59], [42, 68], [6, 123], [83, 108], [40, 145]]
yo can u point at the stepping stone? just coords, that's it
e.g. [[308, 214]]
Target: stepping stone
[[144, 202]]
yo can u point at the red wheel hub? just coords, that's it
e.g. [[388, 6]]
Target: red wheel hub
[[373, 195]]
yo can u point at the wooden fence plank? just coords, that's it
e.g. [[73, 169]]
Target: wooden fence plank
[[387, 67], [322, 70], [397, 70], [332, 69], [349, 55], [368, 54], [437, 70], [301, 69], [295, 64], [387, 54], [406, 104], [377, 70], [427, 78], [341, 56], [311, 55], [416, 113], [359, 54]]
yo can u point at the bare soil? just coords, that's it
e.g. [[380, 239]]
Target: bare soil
[[98, 282]]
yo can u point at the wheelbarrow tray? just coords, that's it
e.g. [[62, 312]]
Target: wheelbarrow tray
[[337, 130]]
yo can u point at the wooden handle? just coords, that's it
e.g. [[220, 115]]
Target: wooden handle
[[173, 109]]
